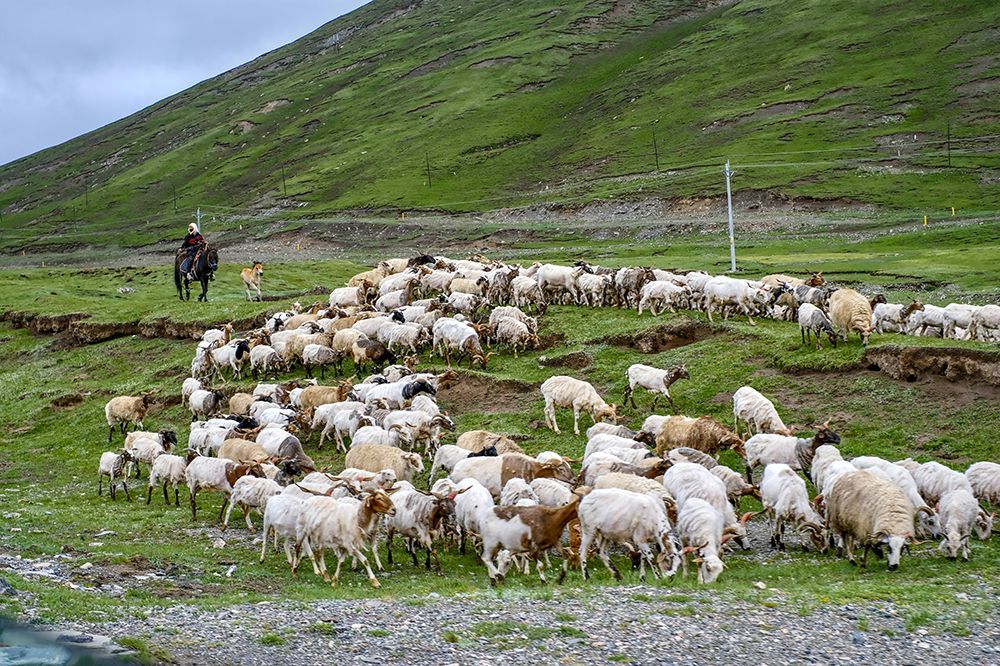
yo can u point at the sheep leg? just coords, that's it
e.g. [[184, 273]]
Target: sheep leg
[[225, 503], [100, 483], [194, 506], [225, 521], [602, 552], [749, 470], [149, 493], [111, 431], [390, 533], [371, 574], [576, 419], [246, 517], [626, 395], [125, 488]]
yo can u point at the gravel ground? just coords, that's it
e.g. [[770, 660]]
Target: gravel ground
[[636, 624]]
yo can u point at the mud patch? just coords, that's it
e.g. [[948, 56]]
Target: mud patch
[[494, 62], [242, 127], [954, 364], [660, 338], [575, 360], [67, 401], [478, 393]]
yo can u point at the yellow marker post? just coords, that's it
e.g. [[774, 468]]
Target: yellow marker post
[[953, 211], [925, 220]]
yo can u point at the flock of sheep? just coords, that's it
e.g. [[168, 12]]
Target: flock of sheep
[[659, 492]]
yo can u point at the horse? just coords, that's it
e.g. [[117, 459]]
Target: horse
[[251, 279], [204, 270]]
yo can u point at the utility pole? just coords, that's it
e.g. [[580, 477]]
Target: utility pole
[[427, 165], [283, 188], [656, 152], [199, 221], [732, 237]]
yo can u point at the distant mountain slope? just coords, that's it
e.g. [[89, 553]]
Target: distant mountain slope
[[508, 103]]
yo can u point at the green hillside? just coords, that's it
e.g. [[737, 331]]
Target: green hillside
[[518, 102]]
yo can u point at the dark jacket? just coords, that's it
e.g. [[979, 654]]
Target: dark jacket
[[192, 240]]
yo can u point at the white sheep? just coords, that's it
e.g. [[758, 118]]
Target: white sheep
[[189, 386], [167, 470], [984, 324], [565, 391], [813, 321], [250, 492], [701, 530], [958, 512], [513, 333], [615, 516], [658, 296], [265, 360], [371, 434], [517, 492], [112, 465], [375, 458], [898, 474], [751, 407], [281, 514], [934, 480], [984, 479], [655, 380], [218, 474], [728, 292], [552, 492], [785, 500], [320, 356], [205, 403], [604, 441], [685, 481]]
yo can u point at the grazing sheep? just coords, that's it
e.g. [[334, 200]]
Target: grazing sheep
[[525, 293], [637, 484], [926, 525], [495, 471], [250, 492], [375, 458], [798, 453], [750, 406], [420, 518], [190, 385], [637, 521], [112, 465], [868, 511], [785, 500], [649, 468], [687, 454], [605, 428], [453, 335], [984, 324], [605, 441], [321, 356], [701, 530], [514, 334], [217, 474], [736, 487], [728, 292], [551, 492], [984, 479], [814, 321], [850, 311], [958, 512], [126, 409], [242, 450], [934, 480], [702, 434], [517, 492], [654, 380], [685, 481], [659, 296], [564, 391]]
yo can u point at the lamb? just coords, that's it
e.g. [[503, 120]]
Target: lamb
[[216, 474], [478, 440], [517, 492], [654, 380], [814, 321], [797, 453], [700, 528], [934, 480], [565, 391], [126, 409], [984, 479], [514, 334], [659, 296], [958, 514], [144, 451], [250, 492], [524, 530], [850, 311], [495, 471], [205, 403], [169, 470], [375, 458], [865, 510], [612, 515], [112, 465], [341, 524], [421, 517], [702, 434], [750, 406], [785, 500]]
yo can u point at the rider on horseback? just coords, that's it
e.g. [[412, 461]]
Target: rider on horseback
[[193, 242]]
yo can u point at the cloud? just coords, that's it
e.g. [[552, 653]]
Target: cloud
[[70, 67]]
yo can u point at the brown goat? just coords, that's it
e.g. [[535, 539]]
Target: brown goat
[[518, 465], [314, 396], [540, 530]]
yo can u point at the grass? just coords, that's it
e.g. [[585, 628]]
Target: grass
[[822, 104], [273, 640], [49, 454]]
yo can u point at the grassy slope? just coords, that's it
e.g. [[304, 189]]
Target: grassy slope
[[743, 81], [49, 453]]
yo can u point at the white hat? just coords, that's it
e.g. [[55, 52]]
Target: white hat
[[193, 228]]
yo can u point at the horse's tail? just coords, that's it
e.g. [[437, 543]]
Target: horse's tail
[[177, 274]]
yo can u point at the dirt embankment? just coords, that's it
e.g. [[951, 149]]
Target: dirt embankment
[[954, 364], [472, 392], [661, 338], [75, 329]]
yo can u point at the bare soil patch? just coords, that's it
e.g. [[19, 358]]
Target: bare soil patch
[[954, 364], [661, 338], [472, 393], [67, 401], [494, 62], [575, 360]]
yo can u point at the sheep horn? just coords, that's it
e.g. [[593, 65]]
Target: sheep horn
[[925, 509], [745, 518]]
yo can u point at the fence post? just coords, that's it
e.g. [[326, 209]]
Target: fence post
[[729, 204]]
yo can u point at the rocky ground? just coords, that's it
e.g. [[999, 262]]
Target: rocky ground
[[637, 624]]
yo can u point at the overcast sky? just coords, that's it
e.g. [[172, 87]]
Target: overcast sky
[[70, 66]]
